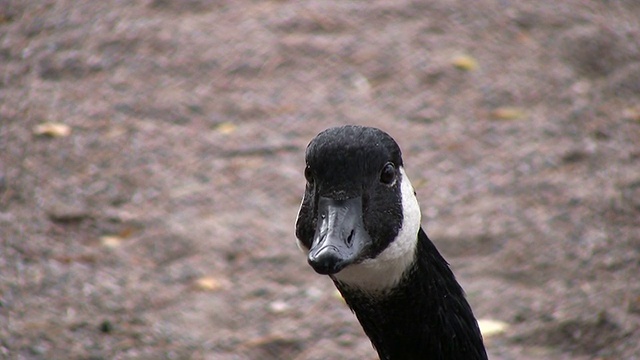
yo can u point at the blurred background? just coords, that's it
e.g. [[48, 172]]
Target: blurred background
[[151, 158]]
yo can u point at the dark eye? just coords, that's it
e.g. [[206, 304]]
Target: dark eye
[[388, 174], [308, 175]]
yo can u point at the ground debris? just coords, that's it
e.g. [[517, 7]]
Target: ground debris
[[52, 129], [464, 62]]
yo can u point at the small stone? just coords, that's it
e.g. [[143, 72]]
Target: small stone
[[110, 241], [67, 212], [278, 306], [106, 327]]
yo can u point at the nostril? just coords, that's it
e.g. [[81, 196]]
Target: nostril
[[350, 238]]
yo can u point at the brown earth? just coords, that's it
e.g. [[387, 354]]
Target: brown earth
[[161, 227]]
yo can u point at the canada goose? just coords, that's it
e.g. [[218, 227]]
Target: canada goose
[[359, 223]]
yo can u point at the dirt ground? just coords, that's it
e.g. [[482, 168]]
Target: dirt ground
[[160, 226]]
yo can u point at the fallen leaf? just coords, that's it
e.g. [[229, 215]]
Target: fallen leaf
[[52, 129], [464, 62], [507, 113], [490, 327], [632, 113], [110, 241], [226, 128], [208, 283]]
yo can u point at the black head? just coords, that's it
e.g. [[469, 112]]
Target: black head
[[352, 207]]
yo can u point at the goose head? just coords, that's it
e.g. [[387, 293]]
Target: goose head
[[359, 217]]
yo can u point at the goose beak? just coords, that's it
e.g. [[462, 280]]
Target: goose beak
[[340, 237]]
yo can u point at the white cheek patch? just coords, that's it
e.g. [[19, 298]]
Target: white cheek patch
[[387, 269]]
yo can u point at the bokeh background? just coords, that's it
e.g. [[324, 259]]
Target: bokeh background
[[151, 157]]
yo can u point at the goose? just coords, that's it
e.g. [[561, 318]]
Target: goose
[[360, 224]]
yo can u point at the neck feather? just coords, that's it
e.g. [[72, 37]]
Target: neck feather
[[424, 316]]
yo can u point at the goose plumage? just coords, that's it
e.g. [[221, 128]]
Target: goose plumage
[[359, 223]]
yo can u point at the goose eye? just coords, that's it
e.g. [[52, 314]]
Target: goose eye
[[388, 174], [308, 175]]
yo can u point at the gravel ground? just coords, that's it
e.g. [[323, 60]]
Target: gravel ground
[[155, 221]]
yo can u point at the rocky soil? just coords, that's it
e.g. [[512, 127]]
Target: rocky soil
[[151, 157]]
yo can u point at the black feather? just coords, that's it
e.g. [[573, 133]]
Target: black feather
[[426, 316]]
